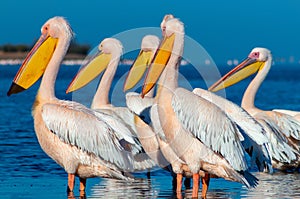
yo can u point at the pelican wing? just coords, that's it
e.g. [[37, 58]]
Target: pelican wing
[[210, 125], [254, 136], [237, 114], [123, 121], [279, 148], [289, 125], [117, 124], [78, 126]]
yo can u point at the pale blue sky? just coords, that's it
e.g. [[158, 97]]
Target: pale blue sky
[[226, 29]]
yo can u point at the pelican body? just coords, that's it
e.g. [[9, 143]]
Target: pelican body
[[187, 120], [73, 135], [283, 130]]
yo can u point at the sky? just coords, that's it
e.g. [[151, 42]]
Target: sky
[[227, 29]]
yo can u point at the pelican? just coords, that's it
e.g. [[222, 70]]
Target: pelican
[[286, 128], [198, 131], [74, 136], [153, 141]]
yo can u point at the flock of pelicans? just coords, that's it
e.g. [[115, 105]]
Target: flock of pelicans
[[193, 134]]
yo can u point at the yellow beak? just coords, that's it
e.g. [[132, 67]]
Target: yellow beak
[[158, 63], [34, 64], [248, 67], [94, 66], [138, 69]]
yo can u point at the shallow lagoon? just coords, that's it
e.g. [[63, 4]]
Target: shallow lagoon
[[27, 172]]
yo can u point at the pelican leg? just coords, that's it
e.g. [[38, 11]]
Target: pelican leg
[[195, 185], [71, 182], [179, 182], [82, 184], [205, 184], [178, 185]]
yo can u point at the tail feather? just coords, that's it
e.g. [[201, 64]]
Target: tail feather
[[142, 161], [249, 179], [243, 177]]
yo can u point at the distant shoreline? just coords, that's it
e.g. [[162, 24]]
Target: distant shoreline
[[16, 58], [22, 55]]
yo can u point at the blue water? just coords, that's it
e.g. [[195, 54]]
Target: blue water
[[27, 172]]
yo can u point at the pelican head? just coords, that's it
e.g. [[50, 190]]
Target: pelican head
[[57, 27], [163, 23], [148, 48], [109, 50], [53, 31], [174, 34], [256, 61]]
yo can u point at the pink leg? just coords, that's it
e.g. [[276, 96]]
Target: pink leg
[[195, 185], [179, 184], [71, 182], [82, 184], [205, 184]]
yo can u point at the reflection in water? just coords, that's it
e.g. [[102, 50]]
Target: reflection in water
[[110, 188], [278, 185]]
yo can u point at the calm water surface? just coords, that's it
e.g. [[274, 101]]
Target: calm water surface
[[27, 172]]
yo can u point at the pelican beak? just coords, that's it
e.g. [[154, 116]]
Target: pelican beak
[[158, 63], [248, 67], [93, 66], [138, 69], [34, 64]]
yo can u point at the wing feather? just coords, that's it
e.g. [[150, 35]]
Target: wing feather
[[237, 114], [210, 125], [289, 125], [254, 136], [278, 146], [78, 126]]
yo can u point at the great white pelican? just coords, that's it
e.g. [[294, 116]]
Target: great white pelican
[[145, 107], [197, 130], [284, 130], [73, 135]]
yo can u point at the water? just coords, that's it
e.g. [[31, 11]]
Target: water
[[27, 172]]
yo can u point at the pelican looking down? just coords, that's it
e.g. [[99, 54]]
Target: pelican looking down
[[70, 133], [283, 128], [185, 119]]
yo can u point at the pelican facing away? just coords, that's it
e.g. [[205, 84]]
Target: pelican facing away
[[72, 135], [190, 123], [286, 128]]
